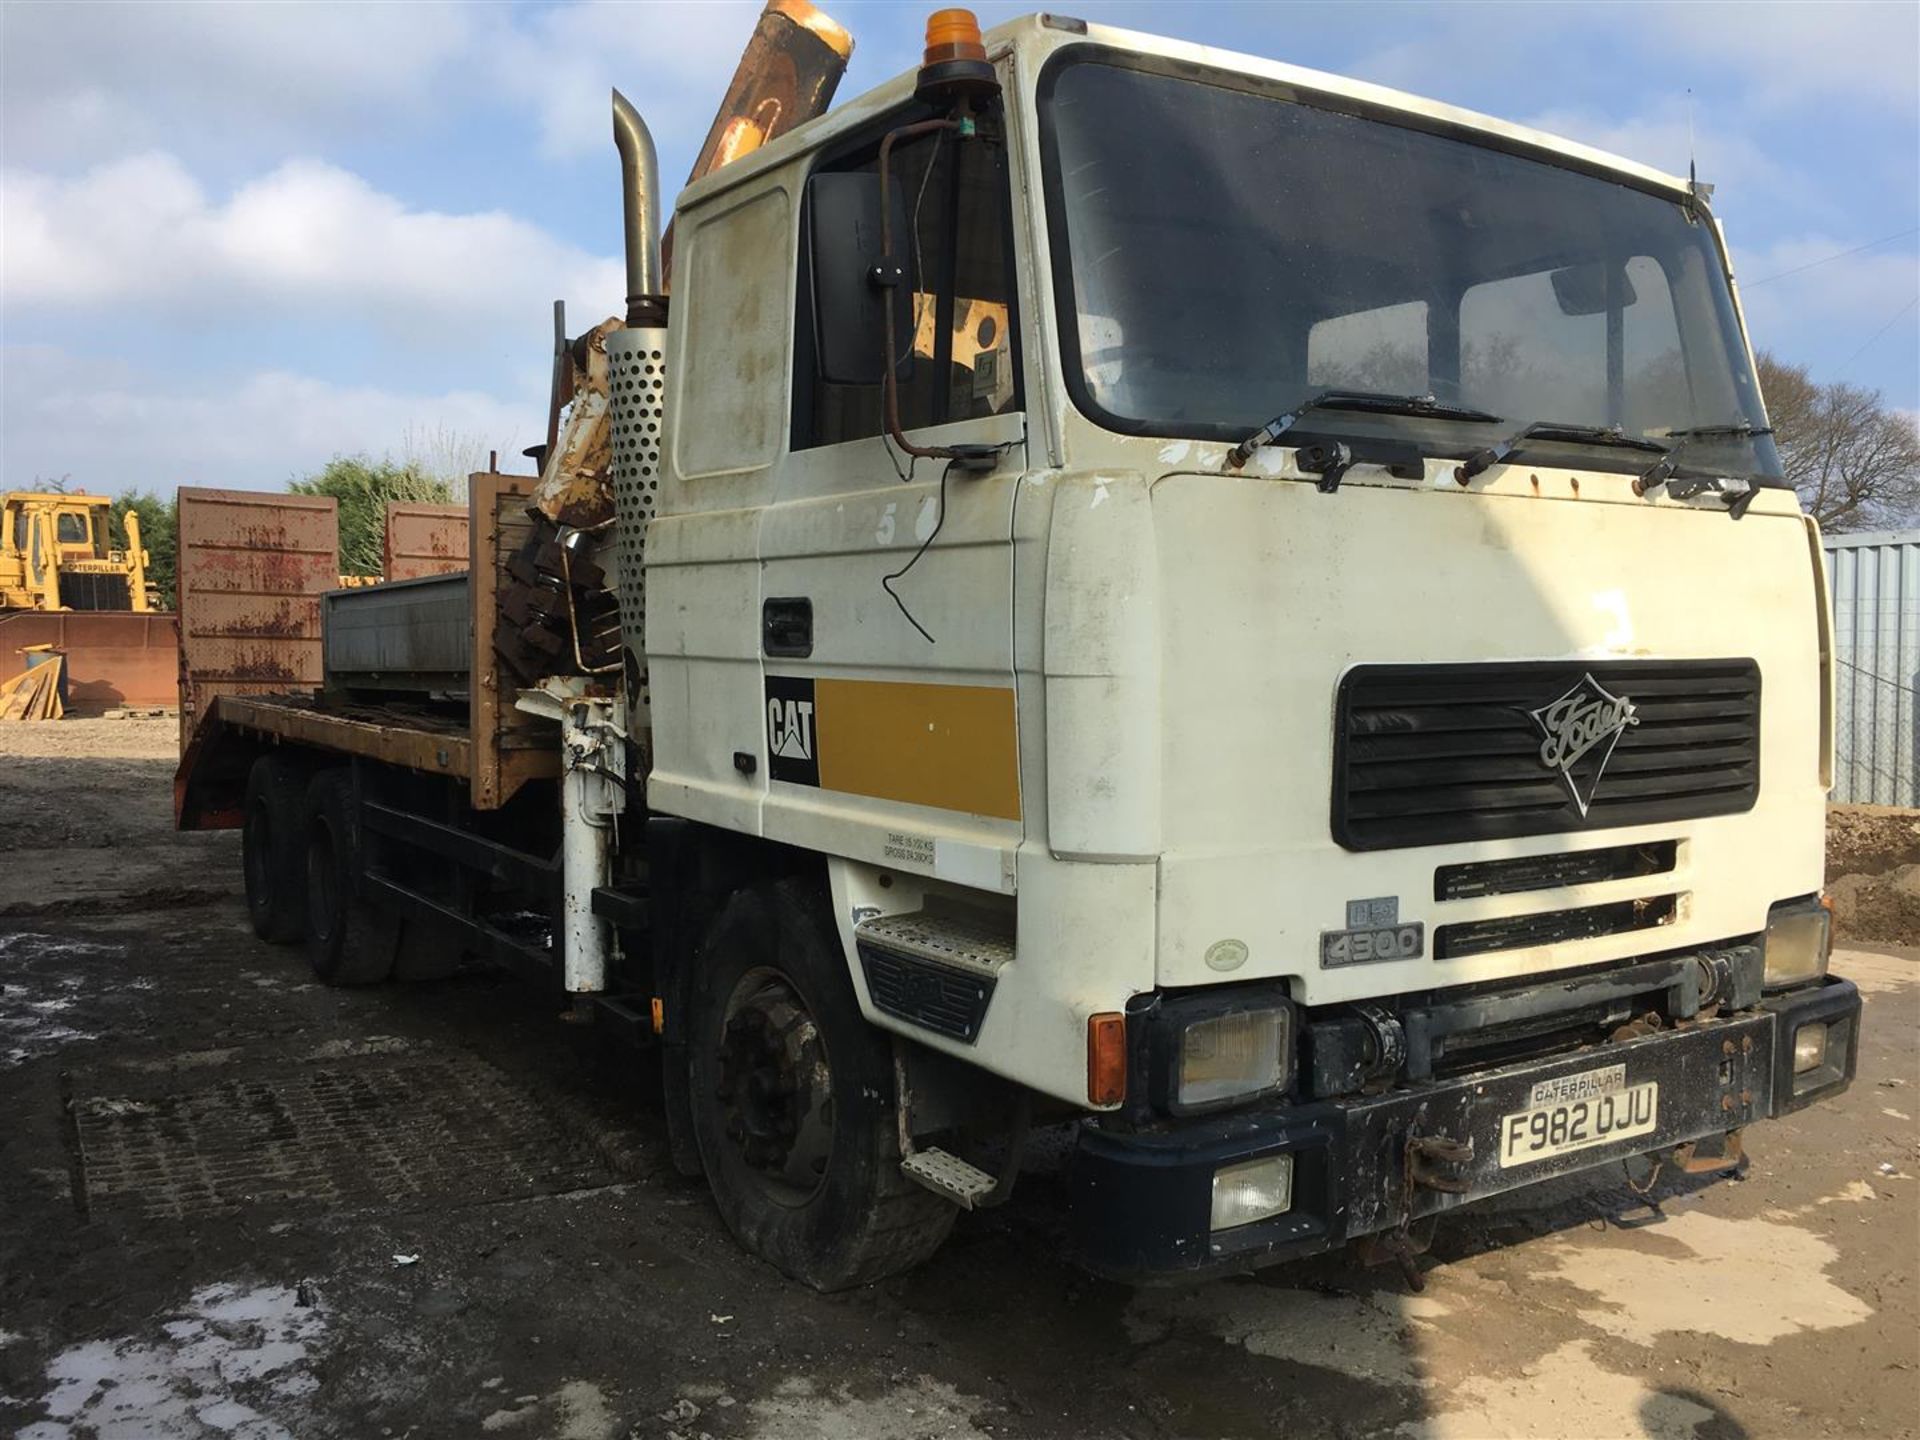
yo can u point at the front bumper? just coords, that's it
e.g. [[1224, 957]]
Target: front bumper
[[1142, 1199]]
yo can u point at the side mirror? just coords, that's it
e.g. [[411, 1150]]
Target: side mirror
[[849, 309], [1582, 289]]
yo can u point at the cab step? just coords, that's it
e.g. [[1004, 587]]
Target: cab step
[[964, 939], [949, 1176], [936, 969]]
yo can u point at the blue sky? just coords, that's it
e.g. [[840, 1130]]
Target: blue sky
[[240, 239]]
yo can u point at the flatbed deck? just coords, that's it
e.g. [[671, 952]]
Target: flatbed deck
[[414, 737]]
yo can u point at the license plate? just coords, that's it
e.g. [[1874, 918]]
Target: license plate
[[1573, 1112]]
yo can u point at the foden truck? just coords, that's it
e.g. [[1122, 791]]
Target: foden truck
[[1116, 586]]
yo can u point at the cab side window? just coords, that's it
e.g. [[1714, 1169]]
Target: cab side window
[[960, 360]]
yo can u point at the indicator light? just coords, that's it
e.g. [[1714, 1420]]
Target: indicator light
[[1106, 1058]]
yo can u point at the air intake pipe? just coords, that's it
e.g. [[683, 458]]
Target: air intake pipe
[[640, 191]]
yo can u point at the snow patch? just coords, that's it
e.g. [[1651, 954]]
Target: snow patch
[[32, 1002], [231, 1361]]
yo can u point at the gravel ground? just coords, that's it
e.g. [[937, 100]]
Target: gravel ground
[[234, 1203]]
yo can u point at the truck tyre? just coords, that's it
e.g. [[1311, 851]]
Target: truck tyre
[[425, 950], [273, 852], [348, 941], [792, 1100]]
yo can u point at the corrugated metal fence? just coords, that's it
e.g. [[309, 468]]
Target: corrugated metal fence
[[1876, 625]]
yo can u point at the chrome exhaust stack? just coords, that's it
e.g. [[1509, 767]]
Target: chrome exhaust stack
[[640, 194]]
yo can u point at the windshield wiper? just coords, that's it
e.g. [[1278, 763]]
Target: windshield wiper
[[1737, 490], [1662, 470], [1484, 460], [1374, 402]]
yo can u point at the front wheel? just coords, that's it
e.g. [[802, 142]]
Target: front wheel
[[792, 1098]]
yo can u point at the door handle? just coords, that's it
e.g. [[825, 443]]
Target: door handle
[[786, 627]]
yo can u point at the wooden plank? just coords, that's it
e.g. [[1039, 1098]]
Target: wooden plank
[[511, 748]]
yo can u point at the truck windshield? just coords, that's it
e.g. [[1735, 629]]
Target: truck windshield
[[1222, 252]]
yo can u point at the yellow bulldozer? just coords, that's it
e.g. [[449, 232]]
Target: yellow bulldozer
[[56, 553]]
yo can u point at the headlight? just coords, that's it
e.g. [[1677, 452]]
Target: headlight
[[1809, 1048], [1798, 939], [1212, 1055], [1252, 1190]]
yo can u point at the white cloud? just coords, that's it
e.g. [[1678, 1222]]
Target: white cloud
[[1834, 54], [307, 240], [81, 82], [672, 60], [109, 431], [86, 83]]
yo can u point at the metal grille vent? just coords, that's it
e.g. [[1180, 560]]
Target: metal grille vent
[[1554, 927], [1435, 754], [637, 375], [1550, 872]]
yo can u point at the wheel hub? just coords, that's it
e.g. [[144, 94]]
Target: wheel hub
[[775, 1087]]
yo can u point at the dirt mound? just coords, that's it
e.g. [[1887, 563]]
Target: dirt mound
[[1873, 873]]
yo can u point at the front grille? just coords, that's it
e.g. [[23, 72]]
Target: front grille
[[1435, 754], [1552, 927], [1550, 872], [90, 591]]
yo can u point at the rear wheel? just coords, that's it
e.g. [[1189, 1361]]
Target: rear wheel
[[273, 848], [792, 1101], [427, 950], [348, 941]]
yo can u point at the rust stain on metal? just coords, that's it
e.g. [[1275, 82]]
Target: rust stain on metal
[[787, 75], [509, 747], [251, 571], [576, 487], [424, 539]]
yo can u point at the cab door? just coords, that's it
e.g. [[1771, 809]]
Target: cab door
[[886, 580]]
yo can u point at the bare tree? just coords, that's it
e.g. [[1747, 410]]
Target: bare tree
[[1855, 462]]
